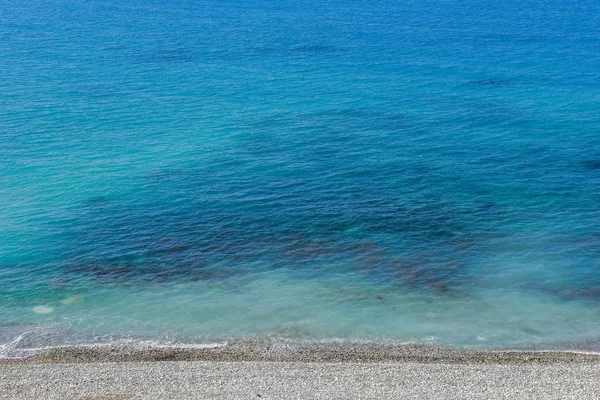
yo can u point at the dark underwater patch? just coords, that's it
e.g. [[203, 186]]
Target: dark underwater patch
[[587, 294], [171, 56], [309, 49], [426, 273], [488, 209], [315, 49], [591, 165], [168, 247], [231, 224], [146, 272], [489, 82], [582, 294], [96, 200], [96, 90]]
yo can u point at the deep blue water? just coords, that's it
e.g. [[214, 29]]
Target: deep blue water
[[423, 171]]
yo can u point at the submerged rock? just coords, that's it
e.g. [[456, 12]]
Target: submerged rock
[[589, 294]]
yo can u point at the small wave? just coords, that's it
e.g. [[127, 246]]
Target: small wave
[[273, 350], [8, 350]]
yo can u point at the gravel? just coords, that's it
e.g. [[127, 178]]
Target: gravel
[[285, 380]]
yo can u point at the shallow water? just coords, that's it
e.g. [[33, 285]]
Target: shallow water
[[189, 171]]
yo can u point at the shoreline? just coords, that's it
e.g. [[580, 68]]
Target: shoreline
[[282, 351]]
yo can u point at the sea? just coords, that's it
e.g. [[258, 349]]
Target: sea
[[326, 171]]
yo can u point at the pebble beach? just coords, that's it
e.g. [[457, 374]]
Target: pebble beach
[[244, 371]]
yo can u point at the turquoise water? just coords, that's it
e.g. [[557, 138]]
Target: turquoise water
[[314, 170]]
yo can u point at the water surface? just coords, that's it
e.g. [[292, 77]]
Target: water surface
[[313, 170]]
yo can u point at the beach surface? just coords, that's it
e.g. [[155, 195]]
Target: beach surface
[[274, 380], [112, 372]]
